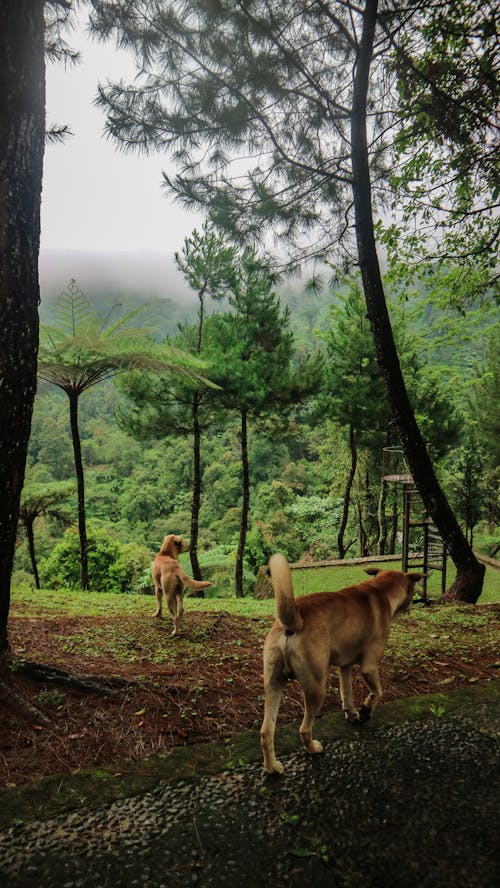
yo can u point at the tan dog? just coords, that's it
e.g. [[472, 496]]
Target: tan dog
[[170, 580], [324, 629]]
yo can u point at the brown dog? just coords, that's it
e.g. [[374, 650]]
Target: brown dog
[[169, 578], [325, 629]]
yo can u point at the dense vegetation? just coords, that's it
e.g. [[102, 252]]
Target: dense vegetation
[[315, 457]]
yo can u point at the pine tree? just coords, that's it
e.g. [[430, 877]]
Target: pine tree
[[251, 353], [306, 95]]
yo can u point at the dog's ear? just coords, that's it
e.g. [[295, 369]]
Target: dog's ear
[[416, 577], [373, 571], [167, 542]]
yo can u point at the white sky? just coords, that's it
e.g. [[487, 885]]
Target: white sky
[[94, 196]]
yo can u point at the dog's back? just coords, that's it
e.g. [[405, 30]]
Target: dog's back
[[361, 612]]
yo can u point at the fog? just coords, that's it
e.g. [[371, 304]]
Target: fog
[[142, 273]]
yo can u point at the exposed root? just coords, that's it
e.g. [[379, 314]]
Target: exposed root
[[81, 682], [21, 706]]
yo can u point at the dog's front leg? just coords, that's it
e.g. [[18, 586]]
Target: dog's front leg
[[345, 681]]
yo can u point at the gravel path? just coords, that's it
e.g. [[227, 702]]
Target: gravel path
[[411, 805]]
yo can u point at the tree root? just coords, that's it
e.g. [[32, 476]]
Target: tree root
[[22, 707], [81, 682]]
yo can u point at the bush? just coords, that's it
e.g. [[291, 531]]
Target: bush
[[113, 566]]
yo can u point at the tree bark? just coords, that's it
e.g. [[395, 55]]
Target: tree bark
[[469, 579], [80, 485], [245, 506], [22, 134], [382, 518], [196, 499], [31, 547], [347, 495]]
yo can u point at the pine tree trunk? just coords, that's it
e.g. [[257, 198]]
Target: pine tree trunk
[[31, 547], [469, 579], [245, 506], [394, 523], [347, 495], [196, 499], [382, 518], [363, 539], [22, 135], [80, 486]]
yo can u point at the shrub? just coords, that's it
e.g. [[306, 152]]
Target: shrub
[[113, 566]]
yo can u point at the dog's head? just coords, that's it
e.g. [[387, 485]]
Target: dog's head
[[400, 587], [173, 545]]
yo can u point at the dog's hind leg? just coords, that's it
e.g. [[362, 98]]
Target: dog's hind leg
[[369, 671], [177, 613], [314, 694], [274, 685], [159, 593], [345, 682]]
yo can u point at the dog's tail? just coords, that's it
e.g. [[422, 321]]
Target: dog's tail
[[193, 585], [281, 579]]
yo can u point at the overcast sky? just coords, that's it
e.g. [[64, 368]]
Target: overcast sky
[[94, 196]]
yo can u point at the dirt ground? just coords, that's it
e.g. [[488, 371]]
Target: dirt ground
[[212, 693]]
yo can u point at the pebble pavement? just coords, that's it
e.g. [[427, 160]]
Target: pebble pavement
[[414, 805]]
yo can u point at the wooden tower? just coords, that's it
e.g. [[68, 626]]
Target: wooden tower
[[422, 547]]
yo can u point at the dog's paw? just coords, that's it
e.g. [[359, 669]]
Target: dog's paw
[[275, 768], [315, 747], [351, 715]]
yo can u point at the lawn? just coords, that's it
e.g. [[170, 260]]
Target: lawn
[[319, 579]]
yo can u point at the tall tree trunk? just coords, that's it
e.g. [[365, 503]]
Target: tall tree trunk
[[347, 495], [22, 135], [382, 518], [31, 547], [245, 506], [469, 579], [80, 487], [196, 499], [363, 539], [394, 521]]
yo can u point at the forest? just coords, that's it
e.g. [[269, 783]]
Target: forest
[[299, 363]]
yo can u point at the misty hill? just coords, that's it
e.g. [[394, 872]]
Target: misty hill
[[152, 279], [148, 275]]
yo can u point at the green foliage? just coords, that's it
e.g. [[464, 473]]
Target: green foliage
[[113, 567], [467, 471], [208, 265], [144, 489]]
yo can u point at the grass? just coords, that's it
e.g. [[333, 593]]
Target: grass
[[63, 602], [324, 579], [427, 637]]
